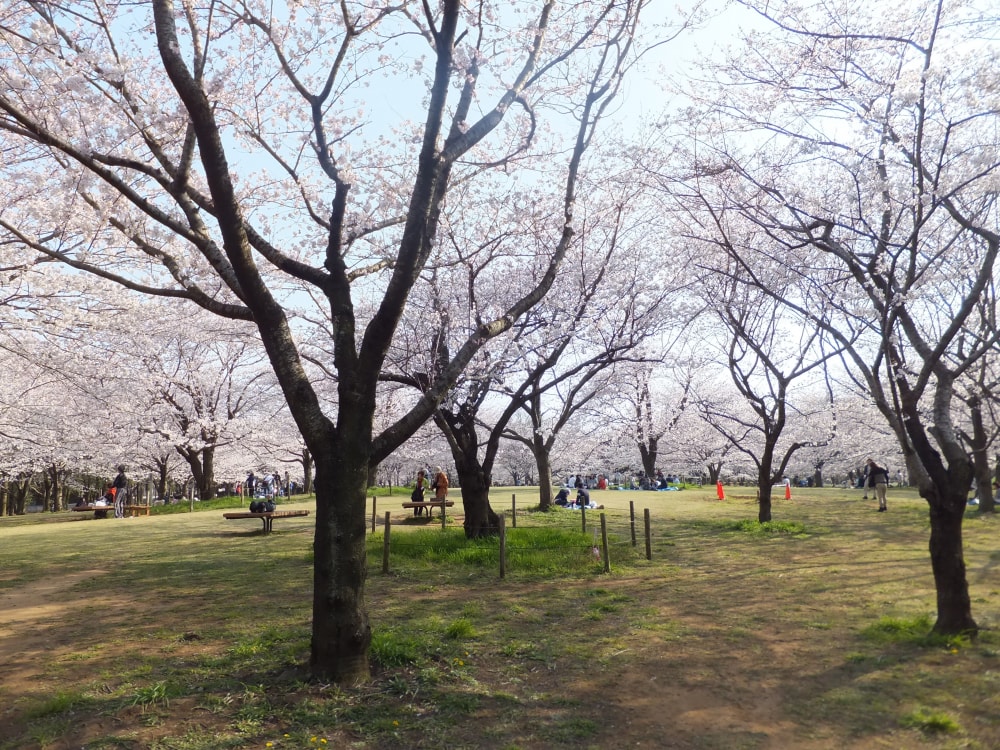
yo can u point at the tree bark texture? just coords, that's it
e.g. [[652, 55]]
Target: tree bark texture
[[954, 609], [473, 475], [648, 452], [480, 520], [307, 468], [764, 502], [341, 632], [543, 463]]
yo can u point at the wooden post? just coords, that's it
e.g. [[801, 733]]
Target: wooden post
[[513, 510], [503, 545], [649, 540], [631, 513], [604, 543], [385, 545], [583, 518], [374, 502]]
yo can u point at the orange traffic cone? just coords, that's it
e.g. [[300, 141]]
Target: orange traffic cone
[[788, 490], [719, 491]]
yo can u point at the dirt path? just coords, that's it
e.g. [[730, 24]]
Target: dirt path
[[36, 619]]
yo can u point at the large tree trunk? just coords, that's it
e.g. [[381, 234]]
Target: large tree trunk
[[954, 609], [818, 474], [473, 475], [713, 471], [341, 631], [53, 489], [202, 465], [764, 501], [480, 520], [206, 488], [647, 452], [162, 469], [765, 481], [945, 487], [544, 464], [18, 499], [194, 464], [307, 476]]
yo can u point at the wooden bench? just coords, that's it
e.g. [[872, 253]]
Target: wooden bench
[[431, 504], [100, 511], [136, 510], [268, 516]]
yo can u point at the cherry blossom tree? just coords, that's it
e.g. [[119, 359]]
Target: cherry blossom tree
[[861, 433], [207, 391], [696, 445], [561, 355], [868, 154], [767, 355], [650, 402], [235, 167], [979, 390]]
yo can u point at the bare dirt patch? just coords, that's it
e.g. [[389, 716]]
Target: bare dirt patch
[[36, 621]]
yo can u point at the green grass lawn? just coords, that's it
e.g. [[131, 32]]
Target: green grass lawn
[[182, 630]]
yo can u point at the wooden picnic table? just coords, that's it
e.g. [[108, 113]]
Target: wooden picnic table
[[267, 516], [431, 504]]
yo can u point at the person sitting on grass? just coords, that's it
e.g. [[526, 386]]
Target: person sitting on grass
[[562, 498], [583, 500]]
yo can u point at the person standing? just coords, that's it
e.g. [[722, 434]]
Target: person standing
[[878, 479], [119, 485], [417, 496], [440, 485], [251, 485]]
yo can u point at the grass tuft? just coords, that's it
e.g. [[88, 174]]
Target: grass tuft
[[148, 696], [898, 629], [930, 722], [57, 704], [459, 629], [395, 647]]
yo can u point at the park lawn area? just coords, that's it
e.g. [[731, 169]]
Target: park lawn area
[[187, 631]]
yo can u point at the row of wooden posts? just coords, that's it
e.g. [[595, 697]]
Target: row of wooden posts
[[503, 533]]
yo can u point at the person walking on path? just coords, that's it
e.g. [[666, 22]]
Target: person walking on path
[[878, 479]]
